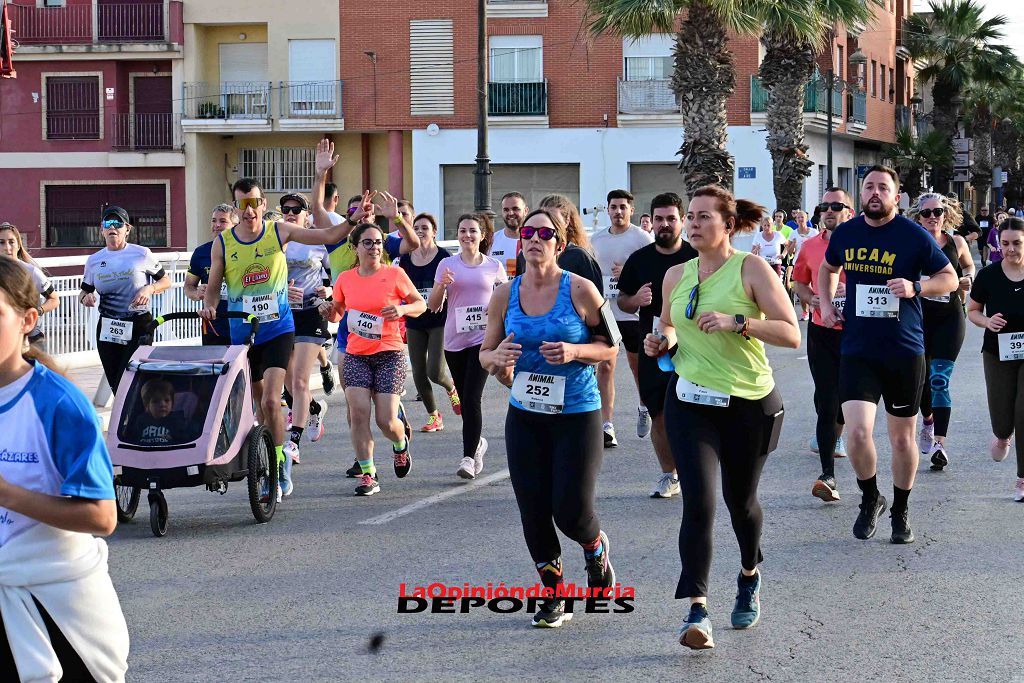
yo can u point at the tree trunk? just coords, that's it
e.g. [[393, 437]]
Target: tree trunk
[[1004, 148], [704, 78], [911, 182], [981, 171], [785, 73], [944, 120]]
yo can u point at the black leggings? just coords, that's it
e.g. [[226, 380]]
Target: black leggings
[[554, 461], [74, 668], [1004, 382], [943, 337], [704, 439], [469, 378], [114, 357], [823, 345]]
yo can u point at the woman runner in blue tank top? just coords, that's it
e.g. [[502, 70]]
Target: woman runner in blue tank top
[[539, 342]]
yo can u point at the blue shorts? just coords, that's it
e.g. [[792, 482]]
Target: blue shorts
[[341, 337]]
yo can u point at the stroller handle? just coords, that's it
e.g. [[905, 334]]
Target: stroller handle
[[194, 315]]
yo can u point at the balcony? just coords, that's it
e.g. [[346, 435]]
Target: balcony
[[650, 102], [123, 27], [815, 103], [903, 118], [858, 119], [310, 105], [518, 104], [236, 106], [146, 132]]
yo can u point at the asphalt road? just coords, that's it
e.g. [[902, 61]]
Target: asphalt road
[[303, 597]]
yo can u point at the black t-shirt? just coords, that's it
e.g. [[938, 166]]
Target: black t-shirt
[[423, 280], [999, 294], [968, 226], [155, 431], [647, 264], [985, 223], [577, 261]]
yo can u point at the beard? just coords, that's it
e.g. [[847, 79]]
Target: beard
[[513, 225], [666, 238], [876, 214]]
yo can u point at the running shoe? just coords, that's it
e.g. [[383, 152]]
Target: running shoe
[[667, 487], [939, 457], [403, 461], [368, 485], [316, 423], [354, 471], [999, 449], [814, 444], [551, 614], [265, 494], [695, 632], [643, 422], [418, 398], [805, 316], [825, 488], [453, 396], [609, 436], [901, 531], [291, 450], [478, 457], [327, 375], [287, 487], [840, 448], [1018, 490], [434, 423], [746, 612], [467, 468], [867, 519], [288, 421], [600, 573], [926, 438]]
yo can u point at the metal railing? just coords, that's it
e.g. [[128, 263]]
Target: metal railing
[[73, 125], [76, 227], [73, 24], [815, 98], [859, 106], [903, 118], [227, 100], [517, 99], [146, 132], [647, 97], [310, 99]]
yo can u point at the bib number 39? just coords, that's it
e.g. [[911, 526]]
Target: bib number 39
[[116, 331], [263, 306], [539, 393], [1011, 346]]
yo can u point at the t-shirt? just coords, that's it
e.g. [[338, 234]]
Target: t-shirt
[[650, 265], [117, 276], [393, 245], [305, 267], [473, 287], [147, 430], [800, 239], [256, 273], [611, 249], [199, 266], [51, 443], [999, 294], [505, 249], [873, 256], [771, 250], [808, 263], [43, 286], [422, 278], [364, 298]]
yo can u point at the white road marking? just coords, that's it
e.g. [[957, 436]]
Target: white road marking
[[436, 498]]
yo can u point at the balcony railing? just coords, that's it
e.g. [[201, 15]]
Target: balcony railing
[[310, 100], [82, 125], [647, 97], [146, 132], [815, 98], [903, 118], [230, 100], [517, 99], [859, 107], [74, 25]]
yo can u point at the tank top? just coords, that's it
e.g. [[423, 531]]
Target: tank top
[[945, 304], [561, 323], [423, 280], [257, 277], [722, 361]]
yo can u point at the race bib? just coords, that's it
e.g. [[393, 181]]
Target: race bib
[[263, 306], [365, 325], [839, 302], [116, 331], [1011, 346], [983, 224], [510, 267], [470, 318], [876, 301], [611, 287], [688, 392], [223, 290], [942, 298], [539, 393], [425, 293]]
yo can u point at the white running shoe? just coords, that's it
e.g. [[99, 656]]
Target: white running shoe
[[840, 448], [926, 438], [1018, 491], [467, 468], [667, 487], [315, 425], [609, 436], [478, 457], [999, 449], [291, 450], [643, 422]]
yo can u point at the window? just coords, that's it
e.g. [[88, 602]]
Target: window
[[312, 88], [874, 78], [648, 58], [840, 62], [72, 107], [73, 213], [54, 3], [892, 85], [516, 59], [881, 77], [647, 180], [279, 169]]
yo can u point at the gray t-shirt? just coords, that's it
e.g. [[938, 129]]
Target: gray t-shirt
[[306, 267], [117, 276], [43, 286], [612, 249]]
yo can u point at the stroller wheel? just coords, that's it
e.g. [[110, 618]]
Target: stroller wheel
[[262, 480], [158, 514], [127, 498]]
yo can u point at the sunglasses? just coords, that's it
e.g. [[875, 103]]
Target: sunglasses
[[545, 234], [115, 223], [249, 203], [835, 207], [691, 306], [295, 210], [928, 213], [370, 244]]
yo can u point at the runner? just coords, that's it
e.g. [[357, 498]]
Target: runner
[[613, 245], [468, 279], [506, 242], [823, 343], [997, 306], [797, 238], [545, 332], [722, 408], [944, 324], [374, 370], [218, 332], [309, 300], [13, 246], [883, 255], [425, 333], [645, 222], [986, 226], [640, 292], [770, 244], [995, 255], [51, 504], [577, 257], [122, 278]]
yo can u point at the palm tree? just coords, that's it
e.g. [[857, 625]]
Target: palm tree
[[1007, 117], [913, 156], [959, 47]]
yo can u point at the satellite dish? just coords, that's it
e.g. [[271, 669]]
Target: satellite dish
[[433, 129]]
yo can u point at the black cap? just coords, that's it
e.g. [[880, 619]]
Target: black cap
[[117, 212], [295, 198]]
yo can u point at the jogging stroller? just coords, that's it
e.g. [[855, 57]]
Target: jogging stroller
[[184, 417]]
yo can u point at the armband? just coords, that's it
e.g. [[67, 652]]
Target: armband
[[606, 326]]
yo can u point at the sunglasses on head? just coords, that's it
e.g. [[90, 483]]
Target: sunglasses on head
[[115, 223], [249, 203], [369, 244], [836, 207], [928, 213], [527, 233], [296, 210]]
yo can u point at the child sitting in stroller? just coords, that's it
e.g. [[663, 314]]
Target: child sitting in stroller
[[159, 425]]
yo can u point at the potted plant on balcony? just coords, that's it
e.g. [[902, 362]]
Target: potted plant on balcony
[[210, 110]]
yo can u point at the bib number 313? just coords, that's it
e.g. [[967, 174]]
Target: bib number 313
[[539, 393], [876, 301]]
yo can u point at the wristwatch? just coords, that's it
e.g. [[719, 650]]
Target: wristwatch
[[917, 288], [741, 326], [348, 219]]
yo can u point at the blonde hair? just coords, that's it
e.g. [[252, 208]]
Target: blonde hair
[[575, 233], [20, 292], [953, 217], [22, 253]]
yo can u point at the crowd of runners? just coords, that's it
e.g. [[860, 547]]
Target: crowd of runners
[[694, 294]]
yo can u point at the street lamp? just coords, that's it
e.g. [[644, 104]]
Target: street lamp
[[831, 83]]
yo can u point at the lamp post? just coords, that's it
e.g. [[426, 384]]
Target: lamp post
[[831, 83], [482, 174]]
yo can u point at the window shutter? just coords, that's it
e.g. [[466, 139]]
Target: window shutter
[[431, 67], [243, 62]]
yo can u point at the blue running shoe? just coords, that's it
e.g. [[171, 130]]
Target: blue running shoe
[[747, 610], [840, 451], [286, 477], [695, 632]]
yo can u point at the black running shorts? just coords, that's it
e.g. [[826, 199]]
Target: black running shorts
[[897, 380], [273, 353]]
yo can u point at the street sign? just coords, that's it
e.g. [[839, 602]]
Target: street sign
[[862, 170], [962, 144], [962, 159], [961, 175], [747, 172], [1006, 177]]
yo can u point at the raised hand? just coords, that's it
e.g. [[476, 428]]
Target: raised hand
[[325, 158]]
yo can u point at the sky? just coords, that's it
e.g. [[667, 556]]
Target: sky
[[1013, 10]]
